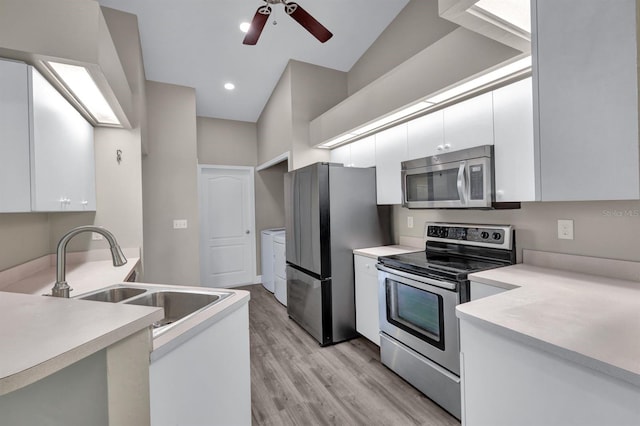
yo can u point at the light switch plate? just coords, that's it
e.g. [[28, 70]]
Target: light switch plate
[[180, 224], [565, 229], [409, 221]]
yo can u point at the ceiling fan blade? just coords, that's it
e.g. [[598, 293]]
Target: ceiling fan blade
[[257, 24], [307, 21]]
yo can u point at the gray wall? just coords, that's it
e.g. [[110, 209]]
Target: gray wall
[[170, 190], [417, 26], [275, 131], [314, 90], [227, 142], [607, 229]]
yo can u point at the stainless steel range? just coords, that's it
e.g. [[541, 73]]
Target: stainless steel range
[[418, 295]]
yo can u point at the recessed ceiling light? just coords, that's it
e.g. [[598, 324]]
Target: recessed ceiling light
[[244, 27], [229, 86]]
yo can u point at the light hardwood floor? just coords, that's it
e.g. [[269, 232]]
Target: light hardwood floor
[[296, 382]]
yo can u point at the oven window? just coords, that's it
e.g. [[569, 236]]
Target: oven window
[[433, 186], [416, 311]]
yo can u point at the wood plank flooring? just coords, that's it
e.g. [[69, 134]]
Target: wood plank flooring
[[296, 382]]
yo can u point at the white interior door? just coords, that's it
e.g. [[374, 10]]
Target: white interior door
[[227, 218]]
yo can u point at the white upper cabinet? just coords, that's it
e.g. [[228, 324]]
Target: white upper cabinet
[[586, 97], [62, 153], [363, 152], [391, 150], [341, 155], [425, 135], [15, 195], [468, 123], [515, 169]]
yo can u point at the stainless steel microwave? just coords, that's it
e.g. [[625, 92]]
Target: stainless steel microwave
[[458, 179]]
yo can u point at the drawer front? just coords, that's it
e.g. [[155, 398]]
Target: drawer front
[[365, 265]]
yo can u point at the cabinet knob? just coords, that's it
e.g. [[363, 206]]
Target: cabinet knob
[[447, 146], [440, 147]]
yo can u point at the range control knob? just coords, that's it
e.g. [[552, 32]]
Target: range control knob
[[484, 235], [496, 236]]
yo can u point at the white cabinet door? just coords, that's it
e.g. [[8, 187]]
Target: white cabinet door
[[469, 123], [62, 154], [586, 94], [15, 186], [363, 152], [425, 135], [367, 318], [391, 150], [515, 169], [341, 155]]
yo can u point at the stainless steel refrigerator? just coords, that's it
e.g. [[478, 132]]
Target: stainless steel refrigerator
[[329, 211]]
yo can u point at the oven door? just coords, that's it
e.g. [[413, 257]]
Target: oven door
[[459, 184], [420, 313]]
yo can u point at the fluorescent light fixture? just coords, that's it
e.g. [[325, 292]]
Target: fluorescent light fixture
[[515, 12], [483, 80], [84, 89], [337, 140], [229, 86], [393, 117], [244, 27]]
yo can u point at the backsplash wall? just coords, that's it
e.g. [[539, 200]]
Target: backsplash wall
[[609, 229]]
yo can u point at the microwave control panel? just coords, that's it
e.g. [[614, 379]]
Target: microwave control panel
[[476, 182]]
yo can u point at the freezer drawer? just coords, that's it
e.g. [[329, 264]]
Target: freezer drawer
[[307, 303]]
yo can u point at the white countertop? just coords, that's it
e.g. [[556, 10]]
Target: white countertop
[[48, 334], [376, 252], [42, 335], [587, 319]]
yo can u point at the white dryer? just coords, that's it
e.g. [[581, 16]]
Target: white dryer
[[267, 257], [280, 267]]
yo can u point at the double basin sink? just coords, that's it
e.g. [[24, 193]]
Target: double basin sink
[[178, 304]]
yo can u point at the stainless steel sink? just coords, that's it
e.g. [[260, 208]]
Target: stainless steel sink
[[114, 295], [176, 304]]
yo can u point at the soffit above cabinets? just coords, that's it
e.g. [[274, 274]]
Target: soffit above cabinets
[[505, 21], [73, 32]]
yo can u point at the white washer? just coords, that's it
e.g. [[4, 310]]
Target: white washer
[[280, 267], [266, 256]]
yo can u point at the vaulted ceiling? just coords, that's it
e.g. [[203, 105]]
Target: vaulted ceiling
[[198, 43]]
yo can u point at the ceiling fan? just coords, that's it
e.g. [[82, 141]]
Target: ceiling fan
[[292, 9]]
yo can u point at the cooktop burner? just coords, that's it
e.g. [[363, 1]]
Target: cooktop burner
[[453, 251]]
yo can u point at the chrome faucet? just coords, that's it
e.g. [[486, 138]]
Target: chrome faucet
[[61, 288]]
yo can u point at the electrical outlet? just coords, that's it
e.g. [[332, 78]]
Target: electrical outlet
[[96, 237], [180, 224], [565, 229], [409, 221]]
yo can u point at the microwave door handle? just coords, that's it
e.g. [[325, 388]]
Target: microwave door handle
[[462, 183]]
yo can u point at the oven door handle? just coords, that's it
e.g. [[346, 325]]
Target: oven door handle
[[420, 279], [462, 183]]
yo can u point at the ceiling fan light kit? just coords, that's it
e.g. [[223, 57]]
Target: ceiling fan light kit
[[292, 9]]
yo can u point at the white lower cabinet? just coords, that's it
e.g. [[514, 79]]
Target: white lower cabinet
[[205, 379], [506, 382], [367, 317], [62, 152], [15, 183]]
